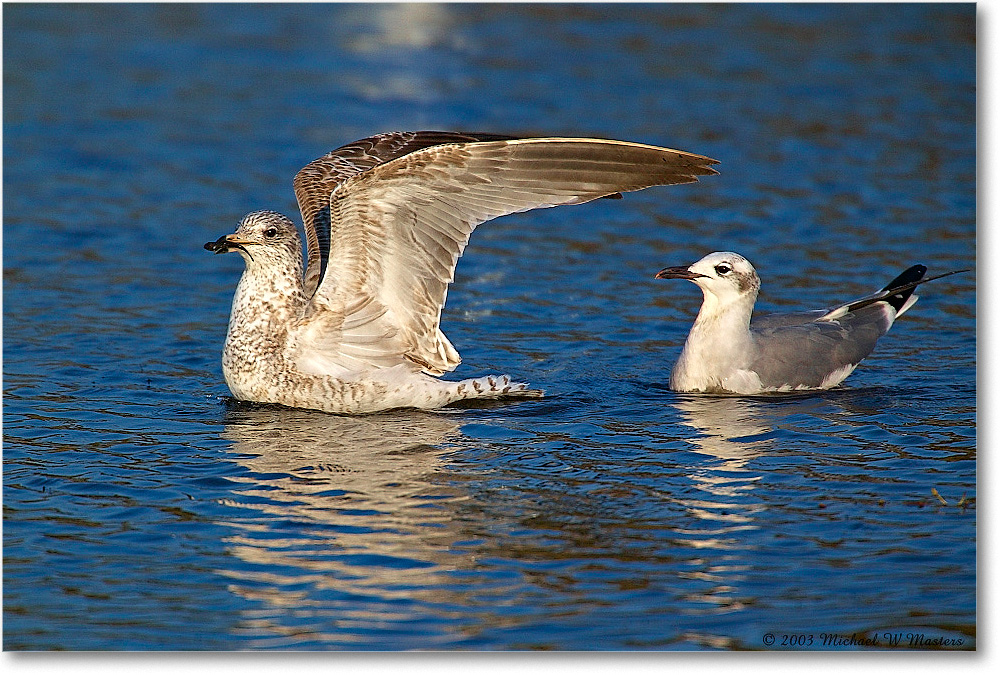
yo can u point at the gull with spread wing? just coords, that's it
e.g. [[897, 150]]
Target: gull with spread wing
[[727, 353], [386, 220]]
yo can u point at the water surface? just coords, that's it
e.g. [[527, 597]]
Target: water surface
[[146, 510]]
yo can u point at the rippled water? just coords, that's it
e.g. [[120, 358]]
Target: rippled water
[[146, 510]]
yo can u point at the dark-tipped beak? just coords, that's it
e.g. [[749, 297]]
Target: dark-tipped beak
[[682, 272], [227, 243], [218, 246]]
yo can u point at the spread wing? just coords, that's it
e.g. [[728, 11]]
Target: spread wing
[[398, 229], [318, 179]]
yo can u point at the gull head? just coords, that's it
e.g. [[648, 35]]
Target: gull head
[[723, 277], [263, 237]]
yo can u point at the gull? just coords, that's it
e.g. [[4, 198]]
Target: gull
[[727, 353], [386, 219]]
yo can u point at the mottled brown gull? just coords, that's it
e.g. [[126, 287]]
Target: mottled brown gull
[[728, 353], [386, 220]]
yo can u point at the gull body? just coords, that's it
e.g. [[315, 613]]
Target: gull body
[[386, 219], [728, 353]]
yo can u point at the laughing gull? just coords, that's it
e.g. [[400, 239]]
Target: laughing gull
[[386, 220], [726, 353]]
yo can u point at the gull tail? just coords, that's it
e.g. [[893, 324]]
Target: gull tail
[[898, 293]]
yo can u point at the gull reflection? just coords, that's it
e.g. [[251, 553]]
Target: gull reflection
[[732, 431], [339, 515]]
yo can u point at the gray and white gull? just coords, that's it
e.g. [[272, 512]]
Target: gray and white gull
[[728, 353], [386, 219]]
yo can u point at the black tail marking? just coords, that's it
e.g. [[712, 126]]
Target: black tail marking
[[899, 290], [905, 283]]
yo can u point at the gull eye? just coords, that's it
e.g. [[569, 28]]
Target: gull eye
[[723, 269], [271, 232]]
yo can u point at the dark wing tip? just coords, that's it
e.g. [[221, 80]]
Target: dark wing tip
[[901, 288], [693, 165], [910, 275]]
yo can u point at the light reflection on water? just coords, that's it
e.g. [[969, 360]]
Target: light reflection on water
[[345, 512], [344, 507], [403, 529], [725, 431]]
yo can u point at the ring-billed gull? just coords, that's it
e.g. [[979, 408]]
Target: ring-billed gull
[[386, 219], [727, 353]]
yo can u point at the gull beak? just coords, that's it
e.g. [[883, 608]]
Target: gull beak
[[677, 273], [227, 243]]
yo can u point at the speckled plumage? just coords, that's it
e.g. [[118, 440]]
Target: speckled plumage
[[386, 220]]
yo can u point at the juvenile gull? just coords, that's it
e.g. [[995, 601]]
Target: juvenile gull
[[386, 220], [727, 353]]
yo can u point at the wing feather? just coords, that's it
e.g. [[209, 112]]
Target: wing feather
[[315, 182], [398, 229]]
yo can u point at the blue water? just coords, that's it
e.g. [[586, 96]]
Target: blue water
[[144, 509]]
